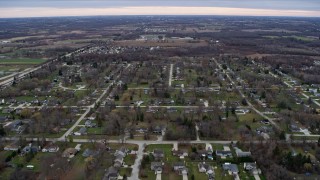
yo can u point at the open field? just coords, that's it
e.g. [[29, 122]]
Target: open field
[[301, 38], [21, 61]]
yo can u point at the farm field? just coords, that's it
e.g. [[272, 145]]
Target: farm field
[[21, 61]]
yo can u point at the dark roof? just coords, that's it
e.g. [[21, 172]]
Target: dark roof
[[82, 130], [204, 165], [223, 152], [3, 118], [111, 172], [89, 152], [178, 164], [156, 165], [158, 151], [231, 167]]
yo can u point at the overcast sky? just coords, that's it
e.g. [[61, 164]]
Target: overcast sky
[[36, 8]]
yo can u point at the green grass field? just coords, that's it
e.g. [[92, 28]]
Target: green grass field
[[21, 61], [301, 38]]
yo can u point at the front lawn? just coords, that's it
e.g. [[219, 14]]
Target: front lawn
[[129, 159]]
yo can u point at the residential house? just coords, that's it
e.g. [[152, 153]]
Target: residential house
[[180, 153], [252, 168], [211, 174], [294, 128], [157, 130], [142, 130], [51, 148], [158, 154], [90, 124], [265, 121], [231, 168], [223, 153], [15, 126], [3, 118], [7, 110], [180, 168], [11, 147], [202, 153], [249, 166], [18, 111], [118, 161], [123, 151], [82, 131], [157, 167], [30, 148], [89, 152], [203, 167], [206, 168], [119, 157], [264, 129], [241, 153], [111, 174]]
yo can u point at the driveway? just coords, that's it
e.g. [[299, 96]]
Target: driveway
[[185, 177], [158, 176], [136, 166], [256, 177]]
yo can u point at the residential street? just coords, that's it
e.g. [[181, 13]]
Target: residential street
[[170, 75]]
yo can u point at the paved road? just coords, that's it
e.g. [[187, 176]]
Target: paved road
[[13, 74], [132, 106], [39, 107], [10, 79], [144, 142], [182, 107], [170, 74], [129, 141], [306, 135]]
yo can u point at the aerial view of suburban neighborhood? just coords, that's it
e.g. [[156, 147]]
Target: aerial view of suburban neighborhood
[[160, 98]]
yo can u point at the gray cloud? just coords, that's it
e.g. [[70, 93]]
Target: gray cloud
[[307, 5]]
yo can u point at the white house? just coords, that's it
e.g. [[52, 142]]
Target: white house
[[51, 148]]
